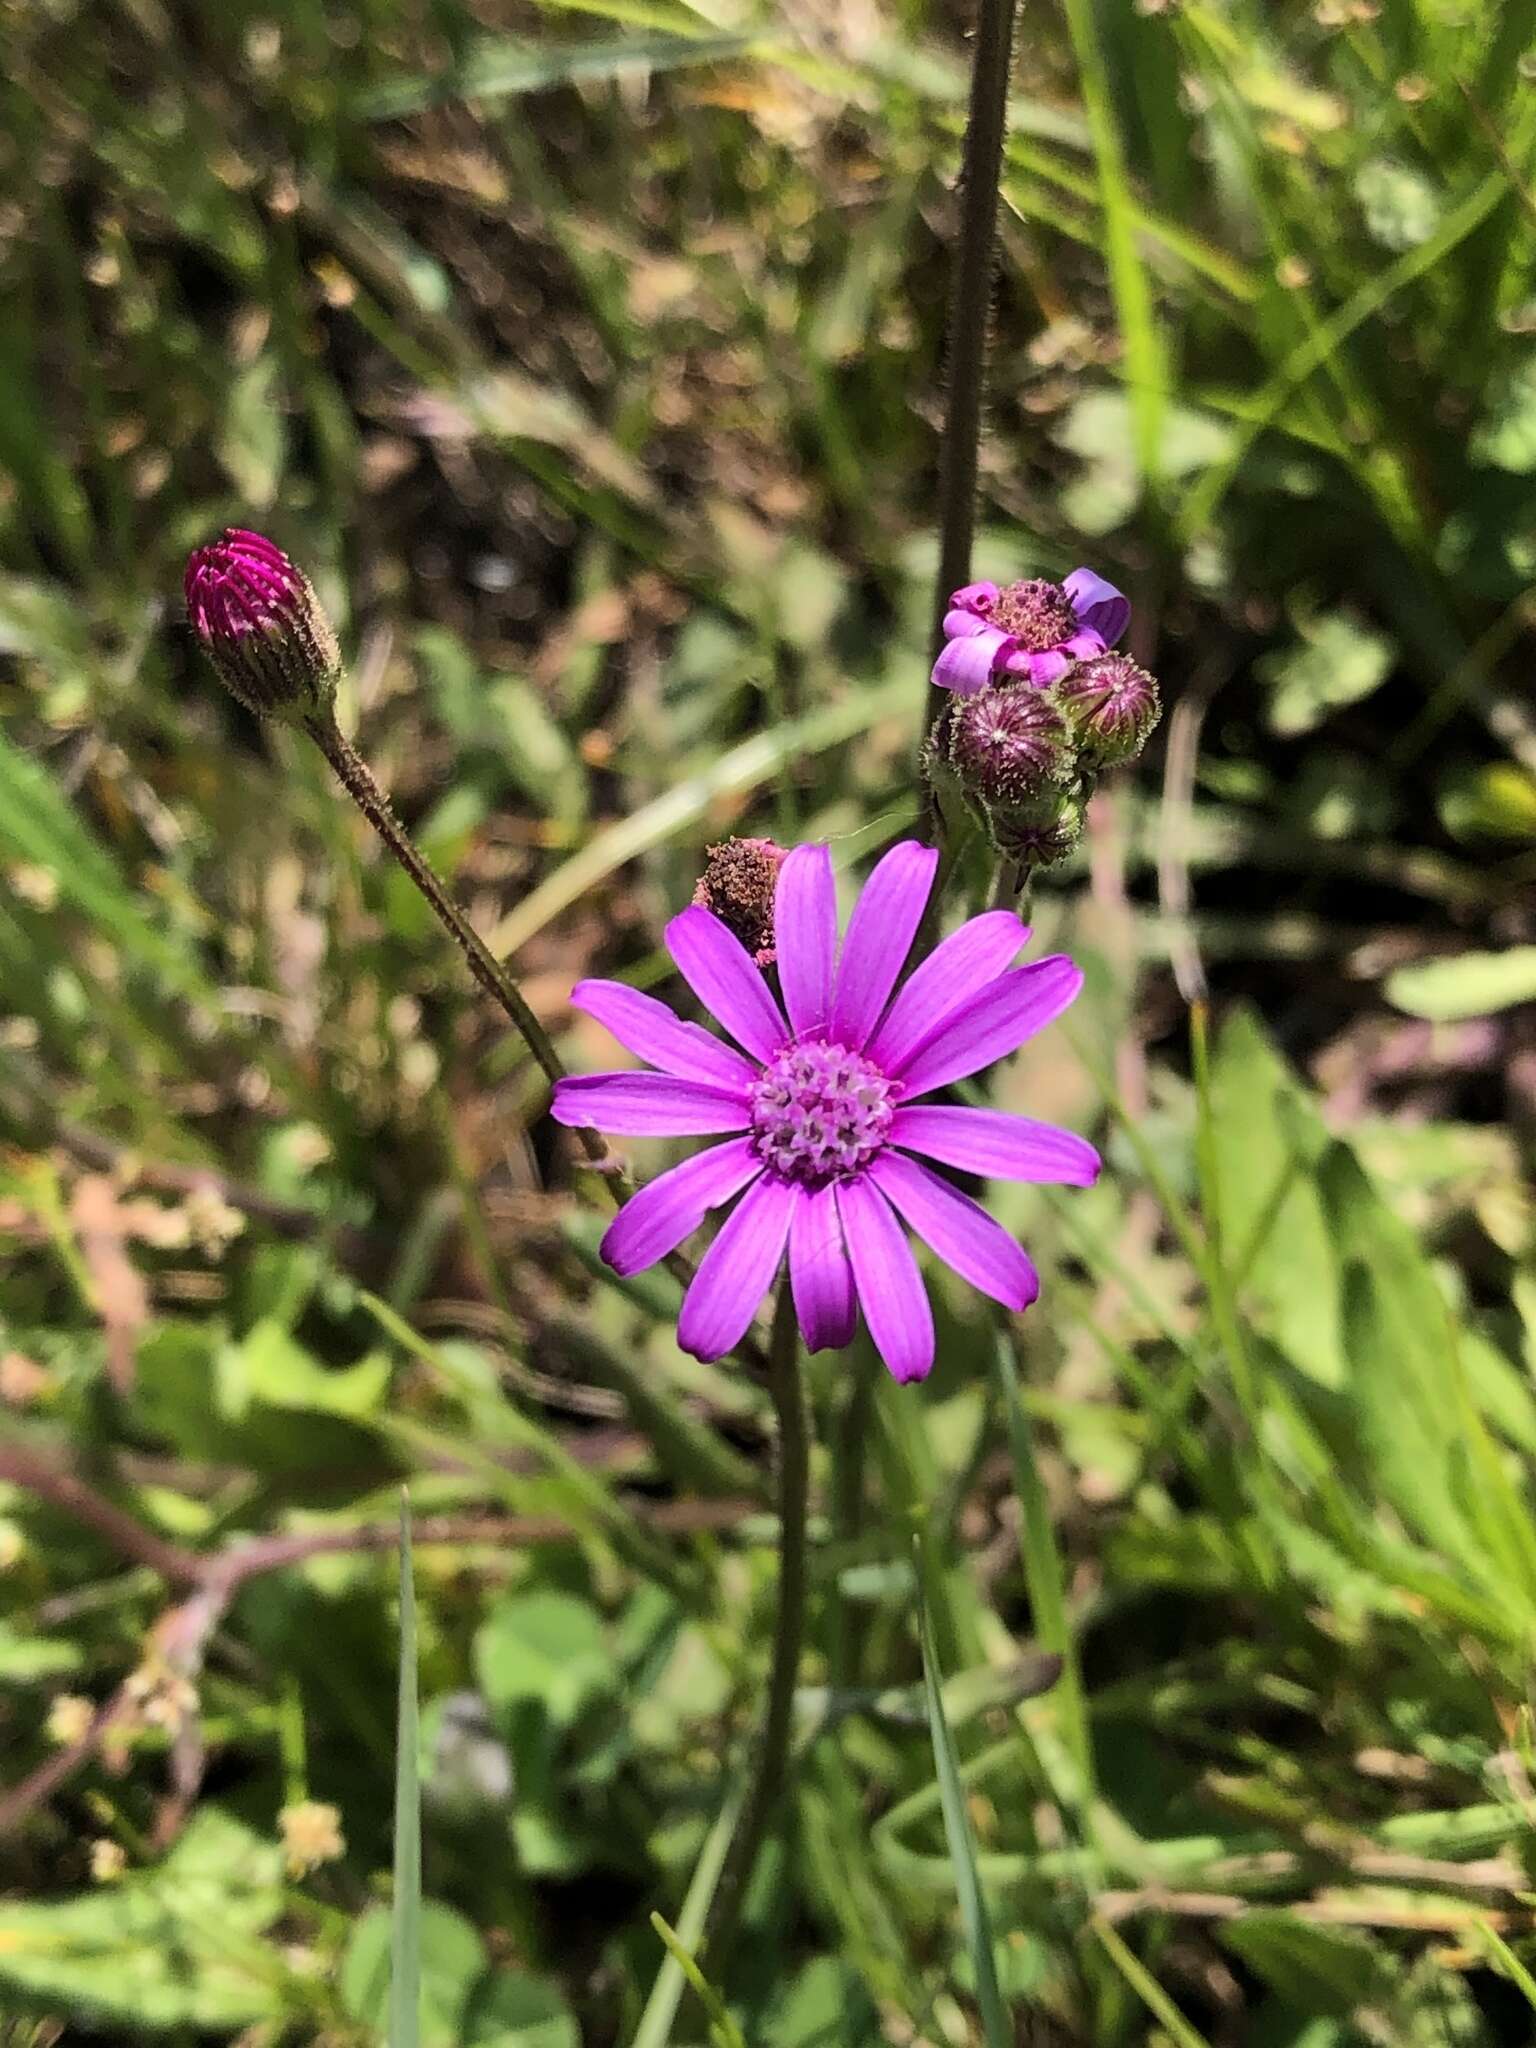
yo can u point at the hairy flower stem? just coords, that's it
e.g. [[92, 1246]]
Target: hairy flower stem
[[970, 311], [356, 778], [787, 1388]]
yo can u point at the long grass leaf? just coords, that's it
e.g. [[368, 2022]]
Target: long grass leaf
[[957, 1832], [405, 1934]]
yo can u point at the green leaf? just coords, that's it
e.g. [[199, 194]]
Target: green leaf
[[170, 1946], [514, 2011], [272, 1367], [253, 445], [452, 1965], [25, 1660], [1506, 439], [1329, 1970], [1401, 206], [503, 68], [39, 826], [544, 1646], [1470, 985], [1337, 662]]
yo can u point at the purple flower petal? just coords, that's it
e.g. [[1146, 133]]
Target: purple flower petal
[[805, 936], [720, 971], [992, 1023], [963, 625], [965, 665], [880, 933], [959, 1230], [891, 1291], [1098, 604], [1085, 644], [649, 1029], [641, 1105], [820, 1276], [671, 1207], [956, 968], [990, 1142], [1044, 667], [976, 597], [738, 1269]]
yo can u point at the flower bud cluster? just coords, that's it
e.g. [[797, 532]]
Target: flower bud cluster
[[1026, 747]]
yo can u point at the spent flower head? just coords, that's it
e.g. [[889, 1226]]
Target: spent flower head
[[738, 884], [1031, 631], [262, 626], [829, 1147]]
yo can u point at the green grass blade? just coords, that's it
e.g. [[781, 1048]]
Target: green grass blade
[[405, 1939], [1043, 1575], [957, 1831], [655, 2028], [1146, 360], [1148, 1990], [722, 2028]]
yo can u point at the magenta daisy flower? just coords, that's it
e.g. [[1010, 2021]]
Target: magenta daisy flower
[[827, 1137], [1033, 630]]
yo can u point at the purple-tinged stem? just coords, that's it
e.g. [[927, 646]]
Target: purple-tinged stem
[[787, 1386], [970, 311]]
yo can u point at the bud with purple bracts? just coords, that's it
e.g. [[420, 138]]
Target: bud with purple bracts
[[1009, 746], [1039, 835], [262, 626], [1112, 705]]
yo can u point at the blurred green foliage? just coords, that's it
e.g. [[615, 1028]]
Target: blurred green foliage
[[589, 357]]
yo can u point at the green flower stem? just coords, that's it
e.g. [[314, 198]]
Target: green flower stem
[[356, 778], [788, 1390], [970, 310]]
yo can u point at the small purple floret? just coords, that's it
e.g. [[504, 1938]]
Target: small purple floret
[[828, 1152], [820, 1113]]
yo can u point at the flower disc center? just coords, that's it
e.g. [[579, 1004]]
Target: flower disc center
[[1039, 614], [820, 1113]]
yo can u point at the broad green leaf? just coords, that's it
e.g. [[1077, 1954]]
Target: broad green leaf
[[1337, 662], [1268, 1143], [1467, 985], [169, 1946], [510, 2010], [453, 1963], [271, 1367], [544, 1646]]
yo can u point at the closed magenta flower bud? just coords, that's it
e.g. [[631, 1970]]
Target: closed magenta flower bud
[[262, 626], [739, 882], [1112, 704], [1009, 746]]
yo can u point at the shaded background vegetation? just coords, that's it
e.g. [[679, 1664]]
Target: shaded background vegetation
[[590, 357]]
